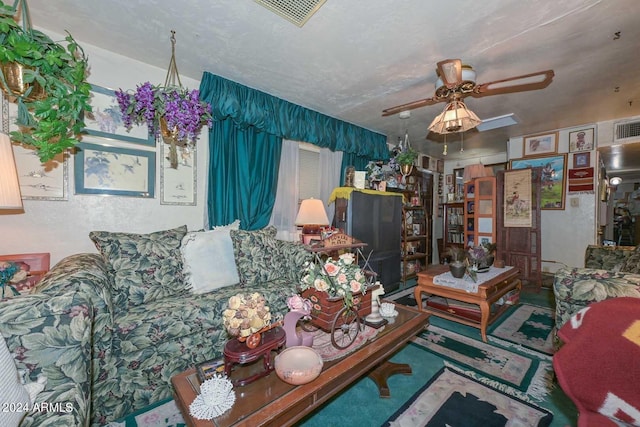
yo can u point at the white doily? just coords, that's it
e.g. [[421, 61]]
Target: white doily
[[216, 397]]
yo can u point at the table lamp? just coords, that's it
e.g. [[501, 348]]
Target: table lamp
[[312, 217], [10, 198]]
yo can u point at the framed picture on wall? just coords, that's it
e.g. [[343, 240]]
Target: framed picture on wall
[[38, 181], [536, 145], [582, 160], [581, 140], [553, 178], [105, 120], [178, 185], [102, 169], [41, 181]]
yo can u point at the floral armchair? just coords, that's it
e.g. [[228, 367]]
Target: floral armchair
[[609, 272]]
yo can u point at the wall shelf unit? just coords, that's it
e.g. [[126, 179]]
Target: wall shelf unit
[[415, 241], [453, 224]]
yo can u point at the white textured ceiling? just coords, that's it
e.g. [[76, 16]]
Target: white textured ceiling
[[352, 59]]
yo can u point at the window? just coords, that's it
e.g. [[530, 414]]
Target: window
[[308, 171]]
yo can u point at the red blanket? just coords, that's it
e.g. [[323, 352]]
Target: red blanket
[[598, 366]]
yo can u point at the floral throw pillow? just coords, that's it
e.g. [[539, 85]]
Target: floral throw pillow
[[257, 254], [146, 267]]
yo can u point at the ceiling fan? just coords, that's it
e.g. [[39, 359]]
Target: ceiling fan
[[457, 81]]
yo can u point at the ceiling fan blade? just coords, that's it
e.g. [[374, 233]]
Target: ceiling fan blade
[[410, 106], [450, 71], [532, 81]]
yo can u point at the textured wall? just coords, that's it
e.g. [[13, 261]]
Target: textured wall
[[62, 227]]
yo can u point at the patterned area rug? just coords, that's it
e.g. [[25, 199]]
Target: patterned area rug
[[454, 399], [528, 326], [529, 375]]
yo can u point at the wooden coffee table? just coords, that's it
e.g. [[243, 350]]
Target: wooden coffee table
[[272, 402], [488, 293]]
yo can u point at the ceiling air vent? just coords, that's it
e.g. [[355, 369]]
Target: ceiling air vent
[[296, 11], [626, 132]]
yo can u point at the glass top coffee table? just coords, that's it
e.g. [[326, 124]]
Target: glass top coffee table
[[270, 401]]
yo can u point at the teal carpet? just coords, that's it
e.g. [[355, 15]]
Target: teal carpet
[[374, 411], [359, 405]]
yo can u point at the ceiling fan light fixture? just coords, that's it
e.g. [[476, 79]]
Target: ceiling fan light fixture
[[456, 117], [468, 75]]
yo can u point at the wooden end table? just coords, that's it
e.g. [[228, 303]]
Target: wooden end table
[[269, 401], [237, 353], [488, 293]]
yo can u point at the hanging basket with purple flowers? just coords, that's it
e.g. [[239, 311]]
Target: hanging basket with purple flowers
[[171, 111]]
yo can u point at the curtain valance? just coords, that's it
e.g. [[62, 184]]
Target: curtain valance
[[251, 107]]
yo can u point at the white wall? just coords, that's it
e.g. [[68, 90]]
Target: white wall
[[62, 227], [565, 233]]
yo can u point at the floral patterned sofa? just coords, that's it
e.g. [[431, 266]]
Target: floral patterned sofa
[[609, 272], [49, 336], [147, 325]]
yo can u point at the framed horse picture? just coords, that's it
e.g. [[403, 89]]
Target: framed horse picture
[[553, 180]]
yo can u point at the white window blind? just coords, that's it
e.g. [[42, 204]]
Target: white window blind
[[308, 172]]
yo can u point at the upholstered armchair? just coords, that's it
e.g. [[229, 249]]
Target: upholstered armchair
[[609, 272]]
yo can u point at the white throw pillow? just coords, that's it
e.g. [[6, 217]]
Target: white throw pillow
[[208, 259], [14, 399]]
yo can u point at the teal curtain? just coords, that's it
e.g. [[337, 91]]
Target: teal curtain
[[251, 107], [243, 175], [245, 145]]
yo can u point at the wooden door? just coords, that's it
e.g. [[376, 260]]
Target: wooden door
[[520, 247]]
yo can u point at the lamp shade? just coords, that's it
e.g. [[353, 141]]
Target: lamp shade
[[456, 117], [9, 187], [312, 212], [472, 172]]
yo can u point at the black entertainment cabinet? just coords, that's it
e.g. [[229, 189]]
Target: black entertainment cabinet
[[375, 219]]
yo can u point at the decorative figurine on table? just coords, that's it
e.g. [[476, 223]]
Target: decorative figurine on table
[[299, 308], [375, 319]]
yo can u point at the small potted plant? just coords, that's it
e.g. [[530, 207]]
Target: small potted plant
[[457, 264], [481, 257], [46, 79]]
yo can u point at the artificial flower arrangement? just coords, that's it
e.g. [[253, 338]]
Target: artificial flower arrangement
[[246, 315], [338, 278], [10, 273], [181, 108], [480, 255]]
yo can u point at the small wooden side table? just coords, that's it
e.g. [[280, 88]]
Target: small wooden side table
[[488, 293], [236, 352]]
